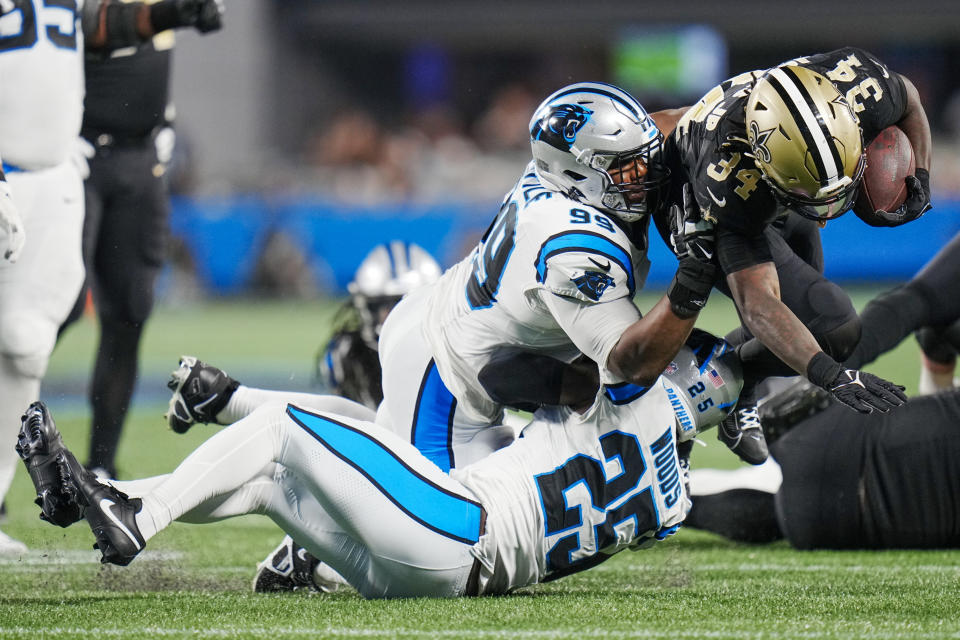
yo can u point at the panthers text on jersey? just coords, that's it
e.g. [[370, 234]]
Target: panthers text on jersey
[[560, 500], [709, 148], [541, 242], [41, 72]]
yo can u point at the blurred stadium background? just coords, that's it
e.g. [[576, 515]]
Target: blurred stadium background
[[310, 130]]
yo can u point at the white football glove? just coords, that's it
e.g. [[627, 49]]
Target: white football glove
[[12, 234]]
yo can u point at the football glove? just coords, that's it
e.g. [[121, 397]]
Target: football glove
[[859, 390], [690, 234], [692, 239], [916, 204], [12, 234]]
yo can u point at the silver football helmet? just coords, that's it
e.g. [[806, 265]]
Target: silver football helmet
[[596, 143], [389, 272], [703, 384]]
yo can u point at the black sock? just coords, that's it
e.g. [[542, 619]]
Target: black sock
[[742, 515]]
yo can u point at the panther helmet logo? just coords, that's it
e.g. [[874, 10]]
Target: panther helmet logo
[[558, 127], [592, 284]]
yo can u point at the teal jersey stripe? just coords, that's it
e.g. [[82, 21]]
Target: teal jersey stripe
[[436, 508], [589, 243]]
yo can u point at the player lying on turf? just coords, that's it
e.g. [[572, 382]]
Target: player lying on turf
[[576, 489], [888, 481]]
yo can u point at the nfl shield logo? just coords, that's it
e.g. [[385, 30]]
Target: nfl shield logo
[[671, 368]]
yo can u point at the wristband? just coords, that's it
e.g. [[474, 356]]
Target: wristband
[[924, 177], [822, 370], [691, 287]]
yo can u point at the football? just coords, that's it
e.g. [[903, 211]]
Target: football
[[889, 160]]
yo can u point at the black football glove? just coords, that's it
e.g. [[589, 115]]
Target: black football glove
[[916, 204], [859, 390], [690, 234], [203, 15], [693, 240]]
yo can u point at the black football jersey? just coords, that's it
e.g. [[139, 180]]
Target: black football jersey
[[709, 149]]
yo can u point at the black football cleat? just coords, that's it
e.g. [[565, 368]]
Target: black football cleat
[[742, 433], [290, 567], [41, 447], [110, 513], [200, 392], [782, 411]]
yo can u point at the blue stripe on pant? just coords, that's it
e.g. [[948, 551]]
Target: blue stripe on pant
[[432, 429], [434, 507]]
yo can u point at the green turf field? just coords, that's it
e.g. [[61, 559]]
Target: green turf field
[[194, 581]]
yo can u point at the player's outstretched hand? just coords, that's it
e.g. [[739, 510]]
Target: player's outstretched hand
[[12, 235], [859, 390], [693, 240], [916, 204], [204, 15]]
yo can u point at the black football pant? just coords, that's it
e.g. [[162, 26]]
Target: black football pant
[[823, 306], [125, 236], [930, 301]]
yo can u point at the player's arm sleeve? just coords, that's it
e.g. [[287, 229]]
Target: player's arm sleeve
[[594, 328], [108, 24], [882, 94], [737, 250], [112, 24]]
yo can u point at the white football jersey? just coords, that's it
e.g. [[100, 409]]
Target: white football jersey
[[576, 489], [41, 75], [541, 241]]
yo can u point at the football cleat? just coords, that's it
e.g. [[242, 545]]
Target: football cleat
[[742, 433], [200, 392], [782, 411], [110, 513], [290, 567], [41, 447]]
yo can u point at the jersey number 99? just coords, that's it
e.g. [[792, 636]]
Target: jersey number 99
[[29, 32]]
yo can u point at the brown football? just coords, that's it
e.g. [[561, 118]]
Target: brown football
[[889, 160]]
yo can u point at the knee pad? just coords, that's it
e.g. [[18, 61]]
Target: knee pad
[[26, 341], [836, 325]]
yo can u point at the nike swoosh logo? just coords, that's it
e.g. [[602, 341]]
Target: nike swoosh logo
[[105, 504], [201, 407], [604, 268], [719, 201]]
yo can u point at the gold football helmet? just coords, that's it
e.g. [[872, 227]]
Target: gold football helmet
[[806, 141]]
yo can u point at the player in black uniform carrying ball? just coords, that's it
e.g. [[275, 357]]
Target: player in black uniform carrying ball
[[769, 157]]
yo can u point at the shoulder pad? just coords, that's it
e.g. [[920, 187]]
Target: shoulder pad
[[587, 266]]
